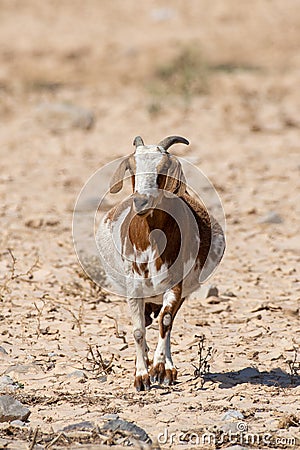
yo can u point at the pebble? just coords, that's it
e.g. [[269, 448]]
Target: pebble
[[11, 409], [77, 374], [205, 291], [80, 426], [21, 369], [271, 217], [2, 350], [102, 379], [18, 423], [131, 427], [6, 382], [110, 416], [229, 294], [232, 414]]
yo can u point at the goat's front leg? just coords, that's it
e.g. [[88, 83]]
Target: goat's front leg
[[137, 311], [163, 370]]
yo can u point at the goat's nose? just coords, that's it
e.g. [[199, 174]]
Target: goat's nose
[[140, 203]]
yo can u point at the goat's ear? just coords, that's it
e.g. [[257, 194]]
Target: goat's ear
[[116, 183], [175, 181]]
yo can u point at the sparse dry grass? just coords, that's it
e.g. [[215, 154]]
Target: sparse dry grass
[[204, 355]]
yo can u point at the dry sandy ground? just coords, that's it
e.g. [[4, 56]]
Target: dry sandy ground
[[224, 74]]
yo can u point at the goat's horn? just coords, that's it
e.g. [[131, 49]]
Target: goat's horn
[[170, 140], [138, 141]]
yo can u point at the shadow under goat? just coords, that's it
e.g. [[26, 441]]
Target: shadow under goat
[[160, 244]]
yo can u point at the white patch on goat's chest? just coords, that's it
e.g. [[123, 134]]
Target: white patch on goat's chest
[[147, 159]]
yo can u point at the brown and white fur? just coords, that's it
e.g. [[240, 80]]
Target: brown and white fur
[[145, 236]]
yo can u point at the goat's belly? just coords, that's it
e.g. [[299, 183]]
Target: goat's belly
[[158, 299]]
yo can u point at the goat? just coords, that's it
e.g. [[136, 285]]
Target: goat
[[156, 243]]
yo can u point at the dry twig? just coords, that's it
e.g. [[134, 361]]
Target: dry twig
[[98, 365], [56, 439], [77, 318], [204, 355], [294, 366], [17, 276], [39, 315], [34, 438], [119, 335]]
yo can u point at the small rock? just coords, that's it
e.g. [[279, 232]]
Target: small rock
[[208, 290], [62, 116], [18, 423], [110, 416], [229, 294], [77, 374], [80, 426], [102, 379], [130, 427], [276, 354], [2, 350], [271, 217], [11, 409], [232, 414], [19, 370], [6, 382]]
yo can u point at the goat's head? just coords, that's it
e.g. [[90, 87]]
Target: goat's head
[[154, 172]]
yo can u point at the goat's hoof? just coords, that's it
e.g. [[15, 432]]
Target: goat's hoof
[[157, 373], [170, 377], [160, 375], [142, 383]]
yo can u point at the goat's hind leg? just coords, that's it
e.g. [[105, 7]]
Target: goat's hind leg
[[137, 311]]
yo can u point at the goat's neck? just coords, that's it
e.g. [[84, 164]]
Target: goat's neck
[[157, 219], [140, 227]]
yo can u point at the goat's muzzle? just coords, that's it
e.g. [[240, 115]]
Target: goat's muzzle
[[142, 204]]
